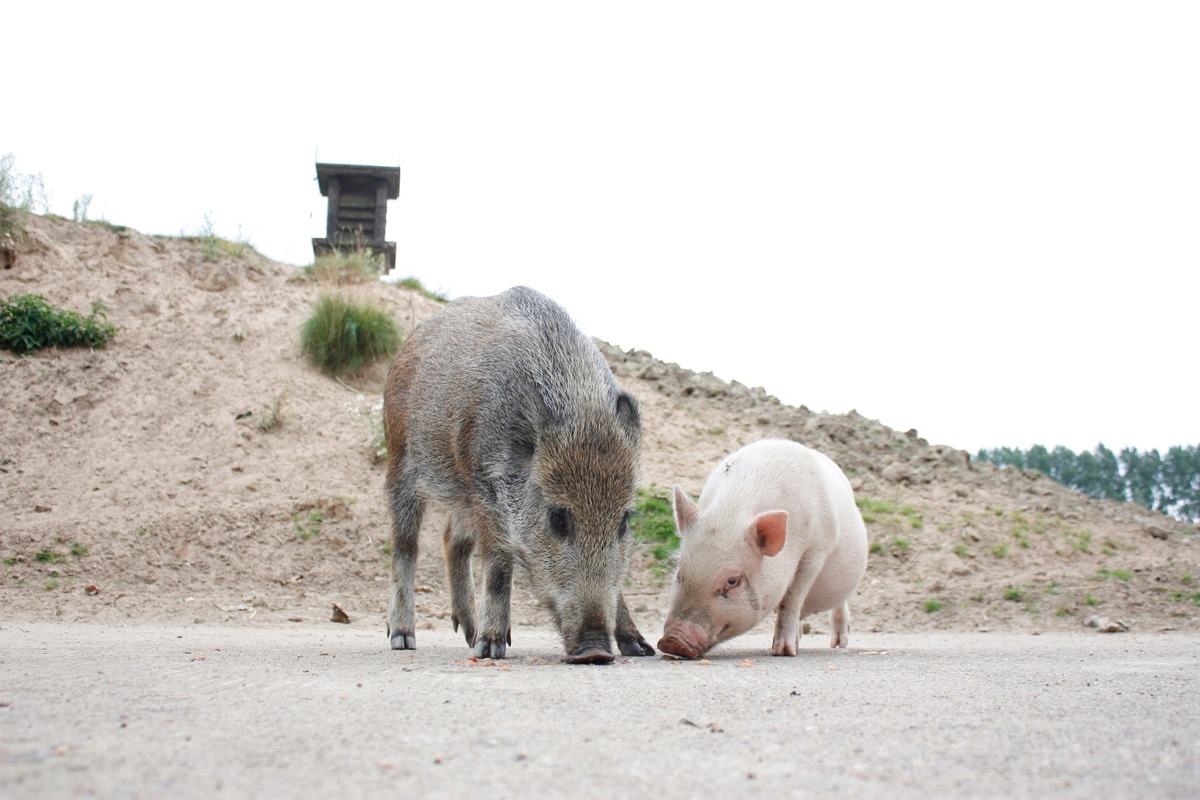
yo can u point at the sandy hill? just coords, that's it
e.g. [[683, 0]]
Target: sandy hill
[[198, 469]]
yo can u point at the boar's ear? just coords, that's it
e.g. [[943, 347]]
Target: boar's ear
[[685, 510], [770, 532], [628, 416]]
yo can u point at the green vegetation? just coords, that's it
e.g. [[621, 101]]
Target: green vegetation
[[1168, 482], [1081, 541], [1000, 551], [414, 285], [308, 525], [215, 248], [340, 268], [1014, 593], [49, 557], [1119, 574], [875, 548], [28, 322], [933, 605], [271, 416], [653, 525], [884, 512], [343, 337], [20, 196], [78, 549]]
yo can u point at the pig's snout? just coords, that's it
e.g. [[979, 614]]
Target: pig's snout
[[683, 640], [680, 649]]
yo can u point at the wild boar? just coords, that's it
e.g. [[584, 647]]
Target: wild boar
[[503, 411], [776, 528]]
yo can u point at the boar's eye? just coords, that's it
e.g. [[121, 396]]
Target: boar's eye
[[560, 522]]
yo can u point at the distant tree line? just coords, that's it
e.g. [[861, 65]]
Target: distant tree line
[[1168, 483]]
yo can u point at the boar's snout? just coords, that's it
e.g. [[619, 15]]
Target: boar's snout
[[590, 655], [678, 648], [590, 649]]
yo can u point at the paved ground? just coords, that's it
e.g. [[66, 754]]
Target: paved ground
[[328, 711]]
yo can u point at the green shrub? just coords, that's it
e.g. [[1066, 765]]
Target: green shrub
[[28, 322], [342, 336]]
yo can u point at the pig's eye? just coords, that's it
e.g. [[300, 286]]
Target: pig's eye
[[560, 522], [733, 582]]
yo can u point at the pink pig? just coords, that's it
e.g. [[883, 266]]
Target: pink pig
[[776, 529]]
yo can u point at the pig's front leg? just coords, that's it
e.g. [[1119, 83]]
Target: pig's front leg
[[495, 630], [787, 623]]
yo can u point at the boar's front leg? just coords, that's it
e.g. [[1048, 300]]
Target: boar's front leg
[[495, 628], [459, 543], [629, 640], [787, 623]]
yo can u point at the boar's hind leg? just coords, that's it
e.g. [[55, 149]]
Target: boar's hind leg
[[495, 629], [460, 542], [407, 509], [629, 640], [841, 625]]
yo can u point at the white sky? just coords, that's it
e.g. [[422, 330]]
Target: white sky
[[978, 220]]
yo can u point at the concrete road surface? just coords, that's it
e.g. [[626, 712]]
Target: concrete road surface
[[328, 711]]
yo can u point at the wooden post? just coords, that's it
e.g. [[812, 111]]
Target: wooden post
[[381, 198], [331, 221]]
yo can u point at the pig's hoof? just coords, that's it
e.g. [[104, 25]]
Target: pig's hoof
[[404, 641], [591, 655], [634, 646], [674, 647], [489, 648]]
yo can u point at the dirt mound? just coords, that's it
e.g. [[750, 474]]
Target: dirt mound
[[198, 468]]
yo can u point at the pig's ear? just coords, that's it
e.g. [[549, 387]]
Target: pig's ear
[[685, 510], [770, 531]]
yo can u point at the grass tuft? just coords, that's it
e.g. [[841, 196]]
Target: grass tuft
[[344, 268], [342, 336]]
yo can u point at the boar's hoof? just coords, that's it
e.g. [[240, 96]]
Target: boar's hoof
[[634, 646], [680, 649], [590, 655], [404, 641], [486, 647]]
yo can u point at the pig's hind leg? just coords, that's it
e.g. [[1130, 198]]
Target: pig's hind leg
[[840, 637], [407, 508], [460, 543]]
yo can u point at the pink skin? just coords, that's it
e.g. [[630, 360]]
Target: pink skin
[[776, 531], [729, 611]]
